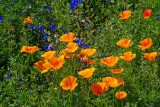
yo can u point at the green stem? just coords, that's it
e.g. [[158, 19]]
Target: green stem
[[70, 100], [121, 103]]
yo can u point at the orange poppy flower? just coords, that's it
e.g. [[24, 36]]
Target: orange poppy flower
[[88, 52], [29, 49], [69, 83], [68, 37], [72, 47], [116, 71], [57, 63], [125, 43], [150, 56], [125, 14], [112, 81], [99, 88], [66, 55], [110, 61], [90, 61], [69, 56], [128, 56], [147, 13], [121, 95], [87, 73], [145, 43], [48, 55], [44, 66], [28, 19]]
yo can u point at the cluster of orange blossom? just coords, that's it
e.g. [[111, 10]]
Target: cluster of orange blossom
[[28, 19], [52, 62], [126, 14]]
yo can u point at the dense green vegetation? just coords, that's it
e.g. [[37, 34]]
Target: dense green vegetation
[[95, 23]]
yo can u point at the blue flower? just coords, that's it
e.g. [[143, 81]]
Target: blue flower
[[36, 28], [86, 46], [125, 9], [26, 27], [22, 80], [53, 27], [9, 76], [46, 47], [44, 36], [52, 49], [1, 18], [10, 19], [45, 7], [65, 32], [50, 8], [13, 0], [32, 26], [6, 8], [156, 57], [41, 28], [51, 19], [19, 103], [79, 70], [77, 41], [144, 64], [88, 25], [79, 1], [85, 16], [72, 6], [157, 16], [111, 47], [27, 4], [75, 3], [105, 56], [43, 82], [81, 43], [30, 91]]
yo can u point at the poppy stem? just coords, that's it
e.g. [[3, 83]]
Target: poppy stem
[[121, 103], [88, 91], [70, 100]]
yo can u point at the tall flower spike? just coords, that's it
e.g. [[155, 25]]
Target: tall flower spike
[[69, 83], [125, 14], [125, 43], [128, 56], [150, 56], [145, 43]]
